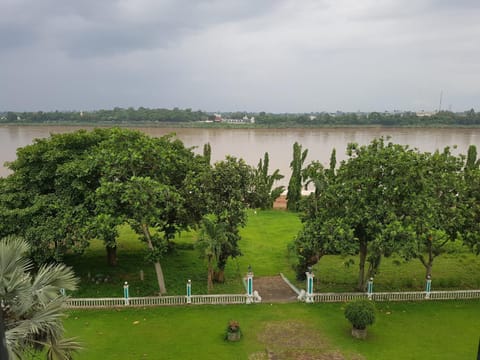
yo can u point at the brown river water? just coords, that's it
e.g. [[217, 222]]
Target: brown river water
[[251, 144]]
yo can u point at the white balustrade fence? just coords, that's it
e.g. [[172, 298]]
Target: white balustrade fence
[[398, 296], [93, 303], [225, 299]]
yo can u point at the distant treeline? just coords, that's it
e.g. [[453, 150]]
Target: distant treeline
[[187, 116]]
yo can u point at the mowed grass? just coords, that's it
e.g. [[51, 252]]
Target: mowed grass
[[264, 245], [423, 330]]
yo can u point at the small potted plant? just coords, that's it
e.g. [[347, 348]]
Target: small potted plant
[[360, 313], [233, 332]]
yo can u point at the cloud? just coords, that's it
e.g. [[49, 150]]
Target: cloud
[[273, 55], [107, 27]]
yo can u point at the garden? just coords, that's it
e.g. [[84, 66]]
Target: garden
[[410, 330], [103, 204], [265, 246]]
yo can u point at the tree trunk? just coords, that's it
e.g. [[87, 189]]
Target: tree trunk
[[210, 276], [158, 266], [428, 264], [220, 276], [111, 255], [3, 342], [361, 286], [428, 269]]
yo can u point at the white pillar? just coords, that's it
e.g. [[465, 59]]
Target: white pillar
[[370, 288], [249, 285], [125, 293], [309, 295], [189, 291], [428, 287]]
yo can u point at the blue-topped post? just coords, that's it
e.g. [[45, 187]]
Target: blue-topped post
[[249, 285], [189, 291], [428, 287], [370, 288], [125, 292], [310, 276]]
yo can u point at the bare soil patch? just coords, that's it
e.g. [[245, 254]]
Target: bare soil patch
[[294, 340]]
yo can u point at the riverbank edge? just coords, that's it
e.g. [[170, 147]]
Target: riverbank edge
[[196, 125]]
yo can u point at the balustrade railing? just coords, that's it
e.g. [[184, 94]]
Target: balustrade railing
[[221, 299], [398, 296]]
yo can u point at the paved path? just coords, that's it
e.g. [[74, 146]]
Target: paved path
[[273, 289]]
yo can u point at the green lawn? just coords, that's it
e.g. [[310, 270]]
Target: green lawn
[[424, 330], [264, 245]]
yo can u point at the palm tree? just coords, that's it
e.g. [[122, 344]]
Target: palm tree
[[31, 307], [210, 242]]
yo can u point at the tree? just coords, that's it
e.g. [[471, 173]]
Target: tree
[[262, 194], [434, 216], [211, 240], [471, 201], [472, 162], [294, 193], [146, 204], [145, 181], [207, 152], [359, 209], [227, 187], [31, 307], [46, 199], [319, 238], [72, 187]]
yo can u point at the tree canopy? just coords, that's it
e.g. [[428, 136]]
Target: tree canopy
[[384, 198], [70, 188]]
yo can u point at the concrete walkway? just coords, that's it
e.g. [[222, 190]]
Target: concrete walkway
[[274, 289]]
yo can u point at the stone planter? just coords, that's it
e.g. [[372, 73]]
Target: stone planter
[[234, 336], [359, 333]]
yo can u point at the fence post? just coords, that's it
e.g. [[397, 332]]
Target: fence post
[[310, 276], [189, 291], [249, 285], [428, 287], [370, 288], [125, 293]]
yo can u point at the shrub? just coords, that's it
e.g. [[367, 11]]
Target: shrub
[[233, 326], [233, 332], [360, 313]]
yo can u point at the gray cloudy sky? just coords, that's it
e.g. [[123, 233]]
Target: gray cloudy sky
[[254, 55]]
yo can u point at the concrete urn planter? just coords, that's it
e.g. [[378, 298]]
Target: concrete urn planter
[[234, 336], [233, 331], [359, 333]]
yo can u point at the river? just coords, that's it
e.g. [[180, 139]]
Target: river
[[251, 144]]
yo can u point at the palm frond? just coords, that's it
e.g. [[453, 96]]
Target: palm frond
[[63, 349], [50, 279], [12, 260]]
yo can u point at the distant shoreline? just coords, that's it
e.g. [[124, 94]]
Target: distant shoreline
[[198, 125]]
